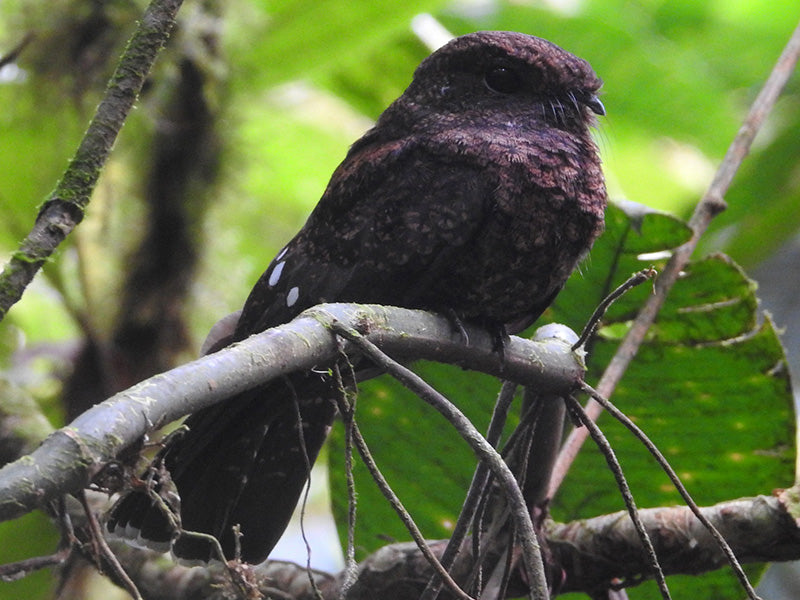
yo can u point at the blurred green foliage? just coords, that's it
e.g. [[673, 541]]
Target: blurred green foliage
[[302, 80]]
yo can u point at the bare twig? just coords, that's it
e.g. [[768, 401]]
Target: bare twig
[[711, 204], [594, 320], [301, 439], [673, 476], [346, 410], [404, 515], [596, 549], [18, 570], [602, 443], [102, 553], [65, 207], [522, 520], [604, 547], [476, 488]]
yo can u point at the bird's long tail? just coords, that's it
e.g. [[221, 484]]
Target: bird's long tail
[[243, 462]]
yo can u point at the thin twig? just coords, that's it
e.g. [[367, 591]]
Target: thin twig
[[491, 520], [23, 568], [301, 439], [346, 409], [100, 546], [65, 207], [497, 583], [533, 446], [237, 542], [711, 205], [490, 523], [59, 508], [476, 488], [673, 476], [608, 452], [206, 538], [522, 519], [405, 516], [594, 320]]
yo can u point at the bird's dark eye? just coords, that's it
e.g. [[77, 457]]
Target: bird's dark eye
[[503, 80]]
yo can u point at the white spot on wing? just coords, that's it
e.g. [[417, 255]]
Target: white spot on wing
[[276, 273], [292, 296], [282, 253]]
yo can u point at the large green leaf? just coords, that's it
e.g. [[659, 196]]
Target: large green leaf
[[632, 231], [709, 386], [397, 424], [422, 457]]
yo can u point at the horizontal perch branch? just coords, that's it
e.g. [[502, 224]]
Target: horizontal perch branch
[[67, 460]]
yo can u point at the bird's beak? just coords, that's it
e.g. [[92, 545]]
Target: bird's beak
[[596, 106]]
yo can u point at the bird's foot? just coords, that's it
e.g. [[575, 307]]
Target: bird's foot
[[457, 324], [500, 338]]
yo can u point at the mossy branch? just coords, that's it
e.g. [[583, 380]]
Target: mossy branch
[[66, 205]]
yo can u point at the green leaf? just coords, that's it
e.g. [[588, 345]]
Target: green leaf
[[709, 386], [428, 465], [632, 231]]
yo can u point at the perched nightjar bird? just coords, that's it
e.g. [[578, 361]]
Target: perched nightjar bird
[[475, 194]]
